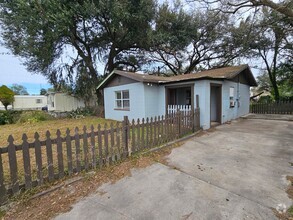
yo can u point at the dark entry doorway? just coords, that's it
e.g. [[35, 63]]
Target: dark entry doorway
[[216, 103]]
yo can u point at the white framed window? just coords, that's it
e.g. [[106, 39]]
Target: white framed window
[[122, 99], [39, 101]]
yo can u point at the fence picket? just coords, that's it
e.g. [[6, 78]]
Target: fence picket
[[85, 149], [151, 132], [39, 162], [77, 149], [138, 135], [143, 134], [112, 156], [118, 136], [147, 132], [49, 153], [155, 132], [69, 151], [3, 191], [13, 165], [106, 144], [125, 136], [26, 162], [93, 148], [133, 146], [60, 154], [100, 146]]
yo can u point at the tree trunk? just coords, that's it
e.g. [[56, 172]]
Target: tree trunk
[[276, 91]]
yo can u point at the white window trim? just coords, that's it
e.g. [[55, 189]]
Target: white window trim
[[122, 99]]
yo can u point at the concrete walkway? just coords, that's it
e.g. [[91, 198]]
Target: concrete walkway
[[235, 172]]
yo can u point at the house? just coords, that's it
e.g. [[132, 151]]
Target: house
[[223, 94], [63, 102], [27, 102]]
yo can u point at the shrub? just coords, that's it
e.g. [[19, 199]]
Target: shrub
[[88, 111], [33, 116], [9, 117]]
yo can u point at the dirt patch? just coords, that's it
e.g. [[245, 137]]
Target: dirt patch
[[61, 199], [288, 215]]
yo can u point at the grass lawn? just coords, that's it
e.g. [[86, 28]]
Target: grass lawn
[[52, 125]]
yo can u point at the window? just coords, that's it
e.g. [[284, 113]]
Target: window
[[39, 101], [232, 102], [122, 99]]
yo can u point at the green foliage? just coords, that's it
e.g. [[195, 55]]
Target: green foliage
[[187, 41], [290, 211], [33, 117], [19, 89], [284, 81], [88, 111], [6, 96], [2, 213], [6, 117], [43, 91], [265, 99], [109, 32], [9, 117]]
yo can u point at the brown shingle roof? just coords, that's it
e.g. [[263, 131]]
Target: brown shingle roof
[[219, 73], [143, 77]]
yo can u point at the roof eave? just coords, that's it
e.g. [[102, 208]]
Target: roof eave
[[100, 86]]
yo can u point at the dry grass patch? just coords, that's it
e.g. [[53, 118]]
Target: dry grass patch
[[41, 127], [52, 125]]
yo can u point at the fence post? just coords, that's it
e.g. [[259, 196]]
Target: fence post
[[125, 136], [196, 113]]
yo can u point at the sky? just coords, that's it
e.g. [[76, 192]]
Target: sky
[[12, 71]]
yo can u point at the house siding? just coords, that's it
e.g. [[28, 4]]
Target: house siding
[[154, 100], [202, 88], [149, 100], [136, 98]]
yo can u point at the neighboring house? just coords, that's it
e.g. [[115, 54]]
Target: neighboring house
[[63, 102], [223, 94], [27, 102]]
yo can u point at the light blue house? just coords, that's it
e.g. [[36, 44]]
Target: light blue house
[[223, 94]]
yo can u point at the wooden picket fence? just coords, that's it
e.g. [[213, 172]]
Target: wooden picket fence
[[281, 107], [31, 164]]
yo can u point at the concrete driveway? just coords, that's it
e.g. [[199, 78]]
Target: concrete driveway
[[237, 172]]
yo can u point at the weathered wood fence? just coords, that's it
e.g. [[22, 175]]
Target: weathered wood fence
[[32, 164], [281, 107]]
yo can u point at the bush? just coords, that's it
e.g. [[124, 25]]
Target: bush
[[9, 117], [33, 116], [88, 111]]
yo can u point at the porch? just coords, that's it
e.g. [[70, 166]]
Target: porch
[[179, 98]]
